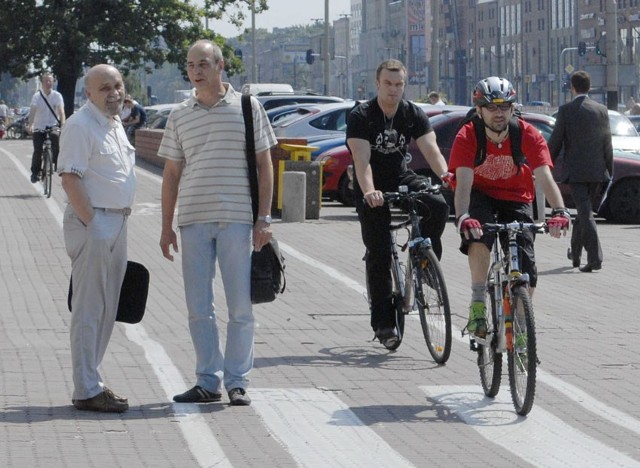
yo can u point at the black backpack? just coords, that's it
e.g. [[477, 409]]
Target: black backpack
[[515, 135]]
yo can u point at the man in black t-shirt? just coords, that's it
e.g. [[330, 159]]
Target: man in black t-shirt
[[137, 118], [378, 134]]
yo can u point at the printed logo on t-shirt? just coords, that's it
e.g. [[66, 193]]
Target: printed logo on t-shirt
[[497, 167], [389, 141]]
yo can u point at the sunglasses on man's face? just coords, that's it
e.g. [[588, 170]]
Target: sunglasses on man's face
[[494, 107]]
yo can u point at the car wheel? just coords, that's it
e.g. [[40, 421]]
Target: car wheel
[[624, 202], [345, 194]]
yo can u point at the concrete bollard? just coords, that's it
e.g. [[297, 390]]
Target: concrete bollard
[[294, 190]]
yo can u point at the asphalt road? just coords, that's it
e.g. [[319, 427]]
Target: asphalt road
[[323, 393]]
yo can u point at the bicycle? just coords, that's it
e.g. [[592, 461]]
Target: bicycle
[[510, 320], [46, 171], [419, 283]]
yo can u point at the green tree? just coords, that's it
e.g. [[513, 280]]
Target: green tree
[[66, 36]]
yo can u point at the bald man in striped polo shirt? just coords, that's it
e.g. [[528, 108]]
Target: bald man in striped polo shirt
[[206, 174]]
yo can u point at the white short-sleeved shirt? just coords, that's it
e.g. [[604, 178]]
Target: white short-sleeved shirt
[[44, 117], [95, 147], [214, 186]]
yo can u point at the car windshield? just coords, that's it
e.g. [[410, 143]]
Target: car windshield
[[621, 126]]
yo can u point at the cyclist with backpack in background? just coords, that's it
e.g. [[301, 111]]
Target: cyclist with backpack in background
[[495, 157]]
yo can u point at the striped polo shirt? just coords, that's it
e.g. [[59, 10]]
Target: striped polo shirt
[[214, 186]]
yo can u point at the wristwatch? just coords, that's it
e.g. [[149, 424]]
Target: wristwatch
[[266, 219]]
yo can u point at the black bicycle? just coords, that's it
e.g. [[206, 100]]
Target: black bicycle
[[46, 170], [418, 283], [510, 321]]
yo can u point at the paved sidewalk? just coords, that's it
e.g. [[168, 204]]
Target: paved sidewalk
[[324, 394]]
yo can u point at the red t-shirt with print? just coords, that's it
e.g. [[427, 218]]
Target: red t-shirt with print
[[498, 177]]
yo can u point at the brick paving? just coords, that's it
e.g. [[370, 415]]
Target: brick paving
[[315, 336]]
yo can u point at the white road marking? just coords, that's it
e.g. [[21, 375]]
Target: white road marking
[[540, 439], [319, 430]]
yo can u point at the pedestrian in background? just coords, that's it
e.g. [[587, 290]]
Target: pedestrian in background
[[582, 129], [434, 99], [136, 119], [47, 110], [206, 172], [97, 170]]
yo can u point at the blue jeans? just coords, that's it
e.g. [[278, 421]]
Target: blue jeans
[[231, 245]]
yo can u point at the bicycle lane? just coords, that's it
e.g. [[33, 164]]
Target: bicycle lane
[[288, 414], [331, 442]]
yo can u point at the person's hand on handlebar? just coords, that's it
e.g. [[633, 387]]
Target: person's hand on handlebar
[[559, 223], [470, 227], [374, 198]]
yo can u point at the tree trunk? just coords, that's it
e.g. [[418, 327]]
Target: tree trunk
[[67, 87]]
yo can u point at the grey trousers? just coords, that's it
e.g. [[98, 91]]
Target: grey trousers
[[98, 255]]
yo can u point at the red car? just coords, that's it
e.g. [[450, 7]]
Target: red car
[[621, 203]]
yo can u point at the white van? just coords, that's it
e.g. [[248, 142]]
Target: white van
[[263, 89]]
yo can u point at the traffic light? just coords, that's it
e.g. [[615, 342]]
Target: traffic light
[[582, 48], [310, 57]]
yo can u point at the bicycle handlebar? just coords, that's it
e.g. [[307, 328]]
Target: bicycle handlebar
[[517, 226], [398, 196]]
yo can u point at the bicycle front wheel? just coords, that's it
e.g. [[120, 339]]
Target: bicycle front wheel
[[490, 361], [432, 301], [47, 171], [522, 358]]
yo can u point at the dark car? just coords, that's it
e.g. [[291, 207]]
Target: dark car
[[621, 203]]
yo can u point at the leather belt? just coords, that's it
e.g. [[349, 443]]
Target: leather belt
[[122, 211]]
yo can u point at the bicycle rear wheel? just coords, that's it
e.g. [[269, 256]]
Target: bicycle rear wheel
[[489, 361], [432, 301], [47, 171], [522, 358]]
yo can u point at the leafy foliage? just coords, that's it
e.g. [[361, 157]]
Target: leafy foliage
[[67, 36]]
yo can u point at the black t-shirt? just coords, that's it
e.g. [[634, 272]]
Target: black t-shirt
[[389, 138], [136, 110]]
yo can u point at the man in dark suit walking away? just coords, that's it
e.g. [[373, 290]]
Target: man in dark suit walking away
[[582, 128]]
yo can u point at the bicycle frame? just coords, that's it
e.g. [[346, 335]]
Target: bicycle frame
[[506, 272]]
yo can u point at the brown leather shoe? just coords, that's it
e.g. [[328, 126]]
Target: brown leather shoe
[[115, 396], [102, 402]]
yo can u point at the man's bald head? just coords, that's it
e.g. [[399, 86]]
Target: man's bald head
[[104, 87]]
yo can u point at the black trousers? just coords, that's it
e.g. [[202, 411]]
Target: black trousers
[[38, 142], [374, 225], [585, 232]]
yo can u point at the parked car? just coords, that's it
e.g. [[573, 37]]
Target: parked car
[[621, 203], [635, 120], [277, 100], [624, 135], [281, 112], [331, 120], [158, 114]]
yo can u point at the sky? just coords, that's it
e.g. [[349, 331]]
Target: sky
[[283, 13]]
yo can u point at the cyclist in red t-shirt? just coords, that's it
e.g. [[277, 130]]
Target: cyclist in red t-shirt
[[499, 187]]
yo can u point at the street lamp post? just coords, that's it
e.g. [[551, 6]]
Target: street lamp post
[[327, 55], [348, 52]]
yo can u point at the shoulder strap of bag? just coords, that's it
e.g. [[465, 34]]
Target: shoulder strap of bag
[[250, 144], [49, 106]]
